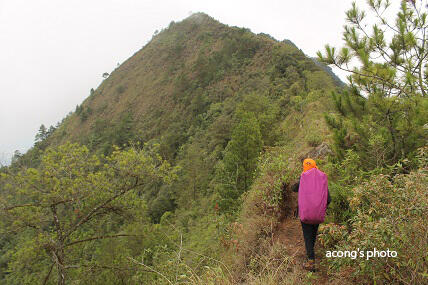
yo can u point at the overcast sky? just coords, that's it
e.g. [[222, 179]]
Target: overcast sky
[[52, 52]]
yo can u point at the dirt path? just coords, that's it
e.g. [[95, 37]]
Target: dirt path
[[290, 235]]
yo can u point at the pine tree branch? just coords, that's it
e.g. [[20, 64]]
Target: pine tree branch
[[390, 85]]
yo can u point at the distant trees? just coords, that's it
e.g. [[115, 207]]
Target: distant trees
[[386, 104], [83, 112], [41, 134], [240, 160], [105, 74], [79, 109], [106, 134], [265, 111], [120, 89], [16, 156]]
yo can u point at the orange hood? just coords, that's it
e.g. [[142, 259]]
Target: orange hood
[[308, 164]]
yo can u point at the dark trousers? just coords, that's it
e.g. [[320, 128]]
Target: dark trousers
[[310, 235]]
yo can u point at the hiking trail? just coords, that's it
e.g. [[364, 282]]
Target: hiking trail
[[290, 235]]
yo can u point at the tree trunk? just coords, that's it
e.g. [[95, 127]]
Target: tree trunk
[[61, 269], [58, 256]]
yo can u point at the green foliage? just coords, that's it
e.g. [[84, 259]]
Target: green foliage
[[160, 203], [317, 80], [240, 160], [83, 113], [390, 214], [72, 199], [379, 127], [40, 143], [79, 109], [238, 48], [343, 177], [274, 170], [42, 134], [262, 207], [314, 140], [385, 109], [106, 134], [265, 111], [120, 89], [208, 98], [286, 65]]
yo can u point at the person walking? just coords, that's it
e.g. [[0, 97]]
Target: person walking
[[313, 199]]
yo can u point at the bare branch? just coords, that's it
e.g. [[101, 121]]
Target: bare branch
[[99, 207], [92, 266], [151, 269], [100, 237], [48, 275], [57, 222], [21, 206]]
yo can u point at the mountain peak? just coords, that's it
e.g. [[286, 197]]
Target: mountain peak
[[200, 18], [199, 15], [181, 76]]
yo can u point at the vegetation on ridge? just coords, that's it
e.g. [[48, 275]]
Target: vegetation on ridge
[[211, 98], [214, 120]]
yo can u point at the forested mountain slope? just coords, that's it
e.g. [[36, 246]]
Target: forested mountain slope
[[191, 86], [177, 168], [208, 98], [169, 88]]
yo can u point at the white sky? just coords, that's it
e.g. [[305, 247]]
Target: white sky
[[52, 52]]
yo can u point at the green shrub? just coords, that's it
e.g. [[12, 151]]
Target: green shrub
[[390, 214], [339, 210], [262, 207], [314, 140], [120, 89]]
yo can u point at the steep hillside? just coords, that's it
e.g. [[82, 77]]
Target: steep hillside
[[215, 101], [186, 90], [183, 77], [179, 167]]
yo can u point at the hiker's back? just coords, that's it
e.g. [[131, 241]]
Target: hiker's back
[[313, 192]]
